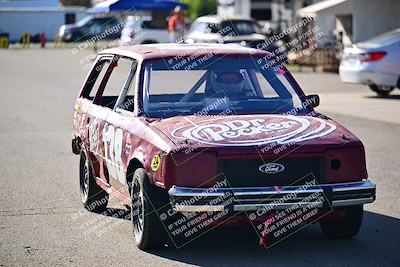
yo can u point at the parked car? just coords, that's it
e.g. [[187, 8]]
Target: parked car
[[105, 27], [375, 62], [194, 136], [227, 30], [141, 30]]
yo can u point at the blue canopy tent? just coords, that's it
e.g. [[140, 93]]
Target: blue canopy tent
[[132, 5]]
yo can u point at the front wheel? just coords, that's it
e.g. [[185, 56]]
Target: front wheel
[[345, 227], [148, 202], [381, 90]]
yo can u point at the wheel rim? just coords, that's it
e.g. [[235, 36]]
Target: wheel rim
[[137, 211], [84, 179]]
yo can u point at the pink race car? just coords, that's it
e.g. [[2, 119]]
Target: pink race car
[[190, 137]]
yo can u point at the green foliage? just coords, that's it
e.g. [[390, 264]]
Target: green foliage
[[85, 3], [198, 8]]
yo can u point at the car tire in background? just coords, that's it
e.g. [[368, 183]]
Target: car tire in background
[[93, 197], [382, 90], [148, 201], [344, 227], [149, 42]]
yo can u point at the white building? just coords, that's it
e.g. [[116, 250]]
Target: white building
[[36, 16], [358, 20], [262, 10]]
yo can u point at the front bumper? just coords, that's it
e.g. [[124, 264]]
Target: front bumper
[[185, 199]]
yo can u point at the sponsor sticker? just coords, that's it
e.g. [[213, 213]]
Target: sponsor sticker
[[155, 163], [255, 130]]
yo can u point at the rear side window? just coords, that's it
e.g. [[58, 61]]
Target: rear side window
[[239, 27], [118, 76], [213, 28], [108, 78], [103, 67], [96, 76]]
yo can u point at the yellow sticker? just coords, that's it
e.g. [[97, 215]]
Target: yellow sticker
[[155, 163], [78, 108]]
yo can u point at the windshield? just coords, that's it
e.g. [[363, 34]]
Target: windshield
[[215, 86], [83, 21]]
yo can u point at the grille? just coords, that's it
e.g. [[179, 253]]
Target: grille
[[246, 173]]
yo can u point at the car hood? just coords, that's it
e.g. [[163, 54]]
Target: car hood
[[196, 132]]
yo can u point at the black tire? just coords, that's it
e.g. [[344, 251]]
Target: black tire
[[149, 42], [148, 202], [93, 197], [346, 227], [381, 90]]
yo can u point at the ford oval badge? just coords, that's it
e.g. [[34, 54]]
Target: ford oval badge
[[271, 168]]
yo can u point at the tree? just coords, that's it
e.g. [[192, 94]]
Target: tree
[[198, 8]]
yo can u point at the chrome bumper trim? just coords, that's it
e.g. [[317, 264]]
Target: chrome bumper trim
[[253, 198], [273, 206], [198, 208], [350, 202]]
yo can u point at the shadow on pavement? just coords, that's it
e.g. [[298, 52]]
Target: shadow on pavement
[[389, 97], [116, 213], [377, 243]]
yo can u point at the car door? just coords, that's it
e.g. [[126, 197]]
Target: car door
[[91, 116], [115, 129]]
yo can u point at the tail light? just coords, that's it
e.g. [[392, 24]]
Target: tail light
[[371, 56]]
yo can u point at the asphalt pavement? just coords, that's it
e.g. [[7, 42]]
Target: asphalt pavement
[[43, 223]]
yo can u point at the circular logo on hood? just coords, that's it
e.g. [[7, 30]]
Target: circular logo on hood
[[254, 130]]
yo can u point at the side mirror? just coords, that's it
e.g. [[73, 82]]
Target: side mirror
[[311, 100]]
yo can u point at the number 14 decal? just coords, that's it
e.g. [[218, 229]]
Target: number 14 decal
[[112, 139]]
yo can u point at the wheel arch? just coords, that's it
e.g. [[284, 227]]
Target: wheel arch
[[134, 164]]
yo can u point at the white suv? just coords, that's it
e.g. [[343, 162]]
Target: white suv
[[140, 30]]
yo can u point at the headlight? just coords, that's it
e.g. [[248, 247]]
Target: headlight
[[192, 168]]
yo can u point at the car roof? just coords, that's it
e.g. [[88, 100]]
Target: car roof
[[218, 19], [160, 51]]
